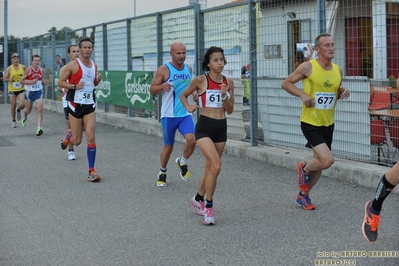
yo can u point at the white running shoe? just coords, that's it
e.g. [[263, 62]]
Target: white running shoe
[[208, 218], [71, 156], [14, 124]]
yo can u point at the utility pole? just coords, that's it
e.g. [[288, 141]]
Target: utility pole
[[5, 50]]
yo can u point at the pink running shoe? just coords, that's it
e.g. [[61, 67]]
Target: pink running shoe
[[199, 206]]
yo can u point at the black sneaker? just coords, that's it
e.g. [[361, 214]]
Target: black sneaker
[[161, 180], [184, 173], [370, 223]]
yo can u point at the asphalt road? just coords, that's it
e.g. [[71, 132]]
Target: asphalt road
[[50, 214]]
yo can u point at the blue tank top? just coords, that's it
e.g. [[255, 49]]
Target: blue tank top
[[171, 104]]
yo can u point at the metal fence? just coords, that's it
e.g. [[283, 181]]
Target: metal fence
[[266, 36]]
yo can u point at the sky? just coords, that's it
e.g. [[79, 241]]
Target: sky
[[30, 18]]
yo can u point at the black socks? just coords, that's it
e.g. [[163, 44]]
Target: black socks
[[199, 198], [383, 190]]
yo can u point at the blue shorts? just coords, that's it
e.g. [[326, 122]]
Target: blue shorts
[[32, 96], [185, 125]]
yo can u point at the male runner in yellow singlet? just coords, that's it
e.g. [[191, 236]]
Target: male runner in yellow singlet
[[16, 90], [322, 88]]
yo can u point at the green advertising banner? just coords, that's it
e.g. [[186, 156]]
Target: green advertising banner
[[126, 88], [56, 76]]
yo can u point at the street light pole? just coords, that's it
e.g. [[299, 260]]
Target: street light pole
[[5, 50], [134, 8]]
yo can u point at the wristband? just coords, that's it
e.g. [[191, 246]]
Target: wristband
[[225, 98], [73, 87]]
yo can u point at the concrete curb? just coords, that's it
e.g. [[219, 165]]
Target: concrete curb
[[352, 172], [356, 173]]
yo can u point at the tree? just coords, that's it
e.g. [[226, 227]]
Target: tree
[[12, 43], [12, 47], [92, 33], [60, 34]]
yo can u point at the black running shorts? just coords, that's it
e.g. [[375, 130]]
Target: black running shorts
[[15, 93], [215, 129], [317, 135], [80, 110]]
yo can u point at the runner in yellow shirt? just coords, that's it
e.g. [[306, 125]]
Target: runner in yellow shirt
[[322, 89], [15, 89]]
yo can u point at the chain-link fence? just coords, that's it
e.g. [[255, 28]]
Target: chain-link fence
[[263, 41]]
